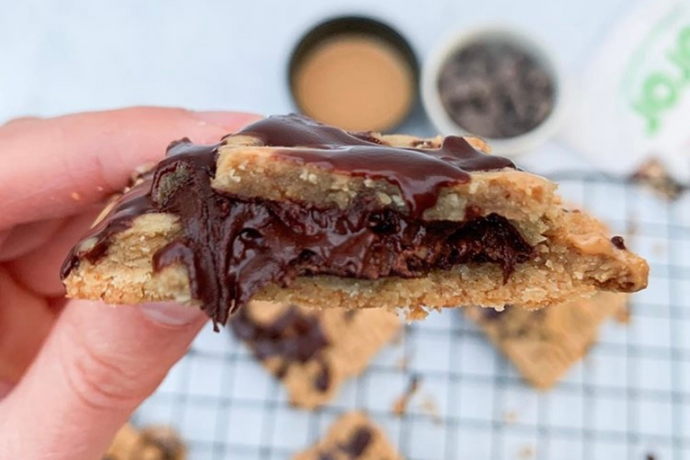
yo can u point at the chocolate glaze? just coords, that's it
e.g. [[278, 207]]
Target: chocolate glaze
[[419, 174], [294, 337], [355, 446], [232, 247]]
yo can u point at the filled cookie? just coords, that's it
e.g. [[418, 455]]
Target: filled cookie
[[294, 211]]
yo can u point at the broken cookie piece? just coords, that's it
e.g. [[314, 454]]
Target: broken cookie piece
[[152, 443], [352, 437], [544, 344], [293, 211], [312, 352]]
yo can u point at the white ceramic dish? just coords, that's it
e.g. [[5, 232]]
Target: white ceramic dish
[[508, 146]]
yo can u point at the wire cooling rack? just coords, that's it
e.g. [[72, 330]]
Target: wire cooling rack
[[629, 399]]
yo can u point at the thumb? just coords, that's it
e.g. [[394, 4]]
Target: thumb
[[97, 366]]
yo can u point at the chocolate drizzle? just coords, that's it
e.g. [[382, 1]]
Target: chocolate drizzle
[[420, 174], [232, 247], [293, 336]]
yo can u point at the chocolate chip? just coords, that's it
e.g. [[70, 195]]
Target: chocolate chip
[[618, 242]]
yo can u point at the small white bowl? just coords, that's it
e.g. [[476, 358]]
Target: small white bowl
[[431, 97]]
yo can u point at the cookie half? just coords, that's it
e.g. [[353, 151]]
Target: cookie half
[[293, 211], [352, 436], [313, 351], [544, 344]]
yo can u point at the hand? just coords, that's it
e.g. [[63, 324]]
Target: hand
[[72, 372]]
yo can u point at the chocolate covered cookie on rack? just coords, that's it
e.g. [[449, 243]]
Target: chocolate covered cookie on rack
[[293, 211], [352, 436], [544, 344], [313, 351]]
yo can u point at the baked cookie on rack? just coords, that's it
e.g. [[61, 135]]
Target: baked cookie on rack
[[544, 344], [293, 211], [313, 351]]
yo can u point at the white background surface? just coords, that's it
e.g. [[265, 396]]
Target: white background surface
[[627, 399], [66, 56]]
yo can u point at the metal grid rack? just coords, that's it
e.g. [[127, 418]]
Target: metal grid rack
[[629, 399]]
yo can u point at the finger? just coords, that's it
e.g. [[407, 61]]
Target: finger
[[27, 237], [97, 366], [22, 120], [5, 388], [25, 321], [39, 270], [54, 167]]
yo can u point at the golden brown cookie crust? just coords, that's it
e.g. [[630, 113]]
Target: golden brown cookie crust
[[575, 256], [342, 432], [544, 344]]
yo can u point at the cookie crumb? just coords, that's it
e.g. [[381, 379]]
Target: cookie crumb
[[400, 405], [633, 226], [526, 452], [402, 363], [510, 417], [430, 408], [654, 175]]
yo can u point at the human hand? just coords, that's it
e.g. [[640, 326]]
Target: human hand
[[72, 372]]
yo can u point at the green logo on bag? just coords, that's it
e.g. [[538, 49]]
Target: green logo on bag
[[662, 89]]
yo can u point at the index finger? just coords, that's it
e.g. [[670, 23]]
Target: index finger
[[56, 167]]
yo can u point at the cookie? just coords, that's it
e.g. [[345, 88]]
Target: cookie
[[352, 437], [313, 352], [544, 344], [293, 211], [153, 443]]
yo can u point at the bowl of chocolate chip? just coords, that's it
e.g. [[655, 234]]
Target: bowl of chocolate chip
[[495, 83]]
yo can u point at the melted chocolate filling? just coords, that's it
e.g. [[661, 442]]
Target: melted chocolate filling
[[232, 246], [293, 337]]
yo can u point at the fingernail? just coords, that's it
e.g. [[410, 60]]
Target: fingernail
[[228, 120], [170, 313], [5, 388]]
